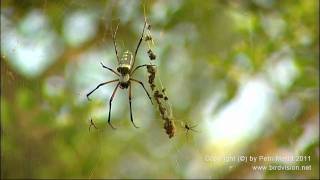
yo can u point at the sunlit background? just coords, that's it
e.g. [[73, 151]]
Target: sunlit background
[[244, 72]]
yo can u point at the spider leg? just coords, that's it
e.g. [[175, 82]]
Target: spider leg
[[110, 101], [99, 86], [140, 67], [143, 88], [192, 128], [114, 41], [140, 40], [109, 69], [131, 107], [92, 124]]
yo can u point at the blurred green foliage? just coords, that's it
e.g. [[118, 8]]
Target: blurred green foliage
[[206, 52]]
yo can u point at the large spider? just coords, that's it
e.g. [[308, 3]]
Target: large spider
[[125, 71]]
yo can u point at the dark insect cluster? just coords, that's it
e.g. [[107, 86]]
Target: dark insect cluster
[[151, 55], [152, 74], [159, 93], [148, 38]]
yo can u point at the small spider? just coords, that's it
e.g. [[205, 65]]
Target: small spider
[[125, 71], [92, 124], [190, 128]]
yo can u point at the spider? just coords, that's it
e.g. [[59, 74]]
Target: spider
[[190, 128], [92, 124], [124, 72]]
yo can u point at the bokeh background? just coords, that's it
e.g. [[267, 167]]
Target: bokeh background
[[245, 72]]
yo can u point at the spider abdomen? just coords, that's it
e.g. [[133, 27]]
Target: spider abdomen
[[125, 63], [123, 69]]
